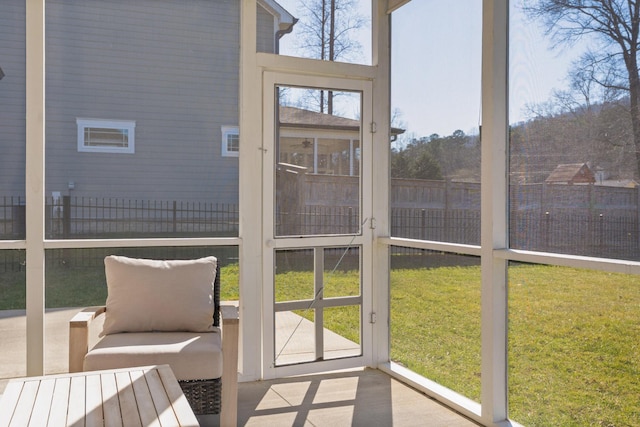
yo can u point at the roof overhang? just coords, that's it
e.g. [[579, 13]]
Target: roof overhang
[[293, 117], [284, 18], [395, 4]]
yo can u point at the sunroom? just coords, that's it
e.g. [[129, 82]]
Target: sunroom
[[413, 235]]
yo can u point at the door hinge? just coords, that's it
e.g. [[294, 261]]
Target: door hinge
[[374, 127], [373, 317], [372, 223]]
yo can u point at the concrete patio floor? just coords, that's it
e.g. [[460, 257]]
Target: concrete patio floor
[[365, 397]]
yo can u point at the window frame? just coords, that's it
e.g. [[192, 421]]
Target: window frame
[[128, 125], [228, 131]]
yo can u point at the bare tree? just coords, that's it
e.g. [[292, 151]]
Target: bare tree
[[326, 33], [612, 61]]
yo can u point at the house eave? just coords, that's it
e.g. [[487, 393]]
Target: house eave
[[285, 19]]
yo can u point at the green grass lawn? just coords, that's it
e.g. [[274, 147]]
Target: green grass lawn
[[83, 287], [574, 347], [574, 335], [574, 340], [435, 325]]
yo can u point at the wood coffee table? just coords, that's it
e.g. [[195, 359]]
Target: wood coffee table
[[144, 396]]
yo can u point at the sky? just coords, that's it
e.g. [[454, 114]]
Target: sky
[[436, 64]]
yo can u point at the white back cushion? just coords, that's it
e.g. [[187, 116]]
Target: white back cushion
[[153, 295]]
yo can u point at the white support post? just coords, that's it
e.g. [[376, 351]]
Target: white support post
[[34, 172], [381, 51], [494, 136], [250, 183]]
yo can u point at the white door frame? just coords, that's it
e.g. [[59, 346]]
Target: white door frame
[[270, 244]]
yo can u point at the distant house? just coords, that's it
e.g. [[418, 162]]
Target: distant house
[[570, 174], [323, 144], [141, 97]]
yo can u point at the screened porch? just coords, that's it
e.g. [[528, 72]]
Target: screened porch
[[378, 199]]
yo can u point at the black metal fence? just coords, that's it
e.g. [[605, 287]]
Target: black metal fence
[[12, 217], [319, 220], [108, 217], [611, 234]]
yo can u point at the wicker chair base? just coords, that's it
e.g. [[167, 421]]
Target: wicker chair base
[[204, 396]]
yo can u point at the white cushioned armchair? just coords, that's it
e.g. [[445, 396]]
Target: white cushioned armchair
[[165, 312]]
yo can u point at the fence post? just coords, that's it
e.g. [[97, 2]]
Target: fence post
[[547, 231], [175, 216], [446, 235], [423, 224], [19, 217], [66, 216], [602, 245], [637, 218]]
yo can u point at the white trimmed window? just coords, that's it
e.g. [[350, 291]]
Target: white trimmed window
[[230, 141], [106, 136]]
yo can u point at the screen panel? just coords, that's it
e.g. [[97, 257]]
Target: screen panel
[[435, 134], [573, 165], [138, 144], [318, 154], [435, 317]]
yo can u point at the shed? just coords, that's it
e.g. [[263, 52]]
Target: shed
[[571, 173]]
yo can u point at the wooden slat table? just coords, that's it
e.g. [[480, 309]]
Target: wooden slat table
[[145, 396]]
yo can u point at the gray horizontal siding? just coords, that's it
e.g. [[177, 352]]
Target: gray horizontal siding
[[12, 98], [265, 32], [169, 65], [172, 67]]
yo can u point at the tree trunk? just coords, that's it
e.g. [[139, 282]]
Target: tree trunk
[[634, 104], [631, 62], [332, 41], [635, 124], [323, 44]]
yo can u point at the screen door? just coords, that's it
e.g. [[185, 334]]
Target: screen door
[[317, 223]]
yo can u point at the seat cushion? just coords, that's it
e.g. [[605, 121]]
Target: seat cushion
[[145, 295], [191, 356]]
